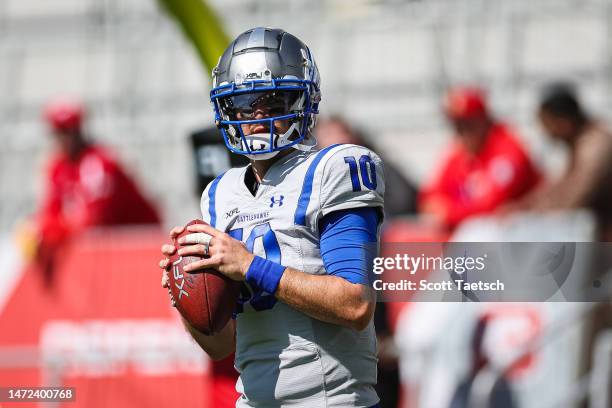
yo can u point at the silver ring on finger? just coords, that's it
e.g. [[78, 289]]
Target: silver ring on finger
[[207, 249]]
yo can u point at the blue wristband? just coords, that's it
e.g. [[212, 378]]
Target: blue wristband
[[264, 274]]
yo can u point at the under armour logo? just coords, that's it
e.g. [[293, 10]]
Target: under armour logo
[[276, 201]]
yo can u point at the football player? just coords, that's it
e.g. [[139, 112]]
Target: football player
[[297, 226]]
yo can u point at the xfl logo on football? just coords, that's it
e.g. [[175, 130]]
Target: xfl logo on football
[[178, 276]]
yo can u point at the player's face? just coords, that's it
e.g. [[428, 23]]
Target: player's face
[[261, 105], [280, 126]]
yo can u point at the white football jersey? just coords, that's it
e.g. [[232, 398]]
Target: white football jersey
[[284, 357]]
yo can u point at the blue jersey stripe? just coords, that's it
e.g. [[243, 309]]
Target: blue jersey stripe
[[300, 211], [211, 200]]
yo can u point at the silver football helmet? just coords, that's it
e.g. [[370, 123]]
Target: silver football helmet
[[266, 93]]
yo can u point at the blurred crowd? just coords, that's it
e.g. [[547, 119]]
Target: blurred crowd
[[484, 171]]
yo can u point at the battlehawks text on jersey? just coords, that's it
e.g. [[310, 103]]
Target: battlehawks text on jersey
[[286, 358]]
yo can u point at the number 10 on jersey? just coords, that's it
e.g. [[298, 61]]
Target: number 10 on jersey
[[366, 168]]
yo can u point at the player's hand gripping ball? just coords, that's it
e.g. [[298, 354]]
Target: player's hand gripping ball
[[206, 299]]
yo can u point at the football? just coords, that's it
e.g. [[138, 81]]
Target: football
[[205, 299]]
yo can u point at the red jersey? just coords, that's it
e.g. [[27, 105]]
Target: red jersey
[[468, 184], [92, 190]]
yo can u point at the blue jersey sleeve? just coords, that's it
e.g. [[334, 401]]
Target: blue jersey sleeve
[[344, 236]]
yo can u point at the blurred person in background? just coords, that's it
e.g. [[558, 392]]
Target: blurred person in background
[[400, 193], [85, 187], [485, 166], [587, 181]]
